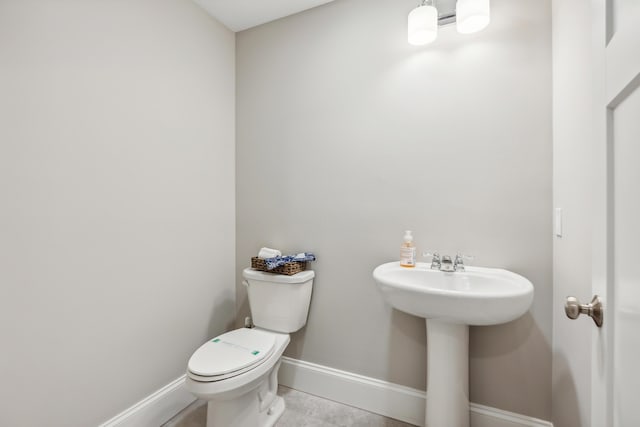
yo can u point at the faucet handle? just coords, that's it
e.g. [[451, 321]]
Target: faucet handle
[[458, 264], [435, 259], [434, 255], [461, 257]]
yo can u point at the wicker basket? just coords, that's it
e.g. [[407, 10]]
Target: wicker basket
[[289, 268]]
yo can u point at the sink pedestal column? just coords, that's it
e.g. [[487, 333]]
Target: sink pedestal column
[[447, 374]]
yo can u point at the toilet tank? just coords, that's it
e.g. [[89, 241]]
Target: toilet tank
[[279, 303]]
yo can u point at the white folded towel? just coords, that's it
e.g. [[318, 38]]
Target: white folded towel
[[268, 253]]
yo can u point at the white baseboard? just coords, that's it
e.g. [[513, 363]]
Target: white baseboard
[[155, 409], [486, 416], [384, 398], [380, 397]]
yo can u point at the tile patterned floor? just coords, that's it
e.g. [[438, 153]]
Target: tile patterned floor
[[303, 410]]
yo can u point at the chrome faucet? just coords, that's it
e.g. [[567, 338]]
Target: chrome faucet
[[445, 264]]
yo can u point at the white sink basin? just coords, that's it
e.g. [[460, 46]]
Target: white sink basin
[[450, 302], [477, 296]]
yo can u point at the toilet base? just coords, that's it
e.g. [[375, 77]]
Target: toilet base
[[244, 412], [270, 417], [258, 406]]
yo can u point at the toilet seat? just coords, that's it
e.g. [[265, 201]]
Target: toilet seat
[[231, 354]]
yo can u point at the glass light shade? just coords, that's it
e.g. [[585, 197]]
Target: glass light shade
[[423, 25], [472, 15]]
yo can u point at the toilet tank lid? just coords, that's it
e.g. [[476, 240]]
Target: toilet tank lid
[[303, 276]]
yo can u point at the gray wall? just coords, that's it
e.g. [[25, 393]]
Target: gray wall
[[347, 135], [117, 202], [572, 189]]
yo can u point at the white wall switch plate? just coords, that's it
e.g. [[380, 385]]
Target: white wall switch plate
[[558, 222]]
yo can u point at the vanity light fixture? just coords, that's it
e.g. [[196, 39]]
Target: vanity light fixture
[[423, 24], [470, 16]]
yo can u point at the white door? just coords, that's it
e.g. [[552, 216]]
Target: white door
[[616, 274]]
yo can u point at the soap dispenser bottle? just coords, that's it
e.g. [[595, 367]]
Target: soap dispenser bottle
[[408, 251]]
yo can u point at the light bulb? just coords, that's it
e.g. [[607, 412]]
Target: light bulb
[[472, 15], [423, 25]]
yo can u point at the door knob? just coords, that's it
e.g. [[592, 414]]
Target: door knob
[[573, 309]]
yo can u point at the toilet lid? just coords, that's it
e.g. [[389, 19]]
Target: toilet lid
[[230, 352]]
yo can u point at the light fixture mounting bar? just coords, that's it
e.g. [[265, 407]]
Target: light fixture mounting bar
[[446, 18], [446, 11]]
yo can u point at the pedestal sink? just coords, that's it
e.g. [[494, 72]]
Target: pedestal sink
[[450, 302]]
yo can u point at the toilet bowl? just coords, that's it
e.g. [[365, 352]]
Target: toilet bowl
[[237, 372]]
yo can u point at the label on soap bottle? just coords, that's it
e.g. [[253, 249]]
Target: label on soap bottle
[[408, 256]]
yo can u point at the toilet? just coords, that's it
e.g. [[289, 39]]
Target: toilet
[[237, 372]]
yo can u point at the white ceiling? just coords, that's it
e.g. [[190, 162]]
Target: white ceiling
[[239, 15]]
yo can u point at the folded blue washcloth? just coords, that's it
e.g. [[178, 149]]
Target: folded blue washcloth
[[282, 260]]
